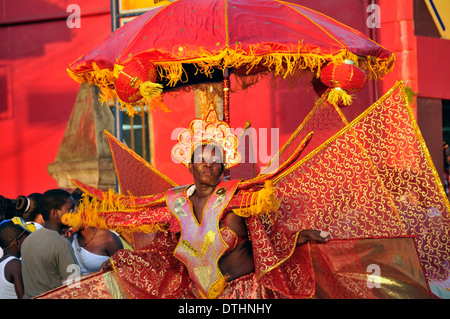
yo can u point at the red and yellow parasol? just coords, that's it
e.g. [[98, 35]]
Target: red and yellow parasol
[[188, 42]]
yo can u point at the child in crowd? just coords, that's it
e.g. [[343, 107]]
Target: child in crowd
[[12, 234]]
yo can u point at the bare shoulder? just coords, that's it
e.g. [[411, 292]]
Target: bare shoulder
[[13, 267], [237, 224], [106, 242], [107, 235], [14, 263]]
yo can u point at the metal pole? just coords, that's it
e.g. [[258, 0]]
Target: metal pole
[[226, 96], [118, 123], [226, 107], [118, 115]]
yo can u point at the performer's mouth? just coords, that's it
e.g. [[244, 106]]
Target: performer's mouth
[[208, 171]]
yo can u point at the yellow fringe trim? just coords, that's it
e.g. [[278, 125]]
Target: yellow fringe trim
[[145, 105], [338, 96], [260, 203], [106, 79], [89, 210], [280, 64]]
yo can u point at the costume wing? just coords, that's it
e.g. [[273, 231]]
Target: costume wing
[[135, 175], [373, 178]]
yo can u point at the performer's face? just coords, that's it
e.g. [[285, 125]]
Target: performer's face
[[207, 166]]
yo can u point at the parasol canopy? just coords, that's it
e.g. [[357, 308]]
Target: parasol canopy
[[188, 42]]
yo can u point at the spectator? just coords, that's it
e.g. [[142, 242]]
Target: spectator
[[48, 259], [7, 208], [27, 207], [12, 234], [7, 211], [93, 246]]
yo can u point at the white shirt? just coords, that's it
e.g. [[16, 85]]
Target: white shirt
[[89, 262], [7, 290]]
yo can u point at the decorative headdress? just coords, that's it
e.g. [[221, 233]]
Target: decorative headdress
[[207, 131]]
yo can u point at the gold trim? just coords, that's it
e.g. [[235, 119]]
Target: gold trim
[[278, 63], [112, 285]]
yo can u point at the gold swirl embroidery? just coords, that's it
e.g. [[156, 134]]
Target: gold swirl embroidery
[[374, 178]]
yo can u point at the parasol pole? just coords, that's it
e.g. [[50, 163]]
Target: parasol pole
[[226, 95], [226, 107]]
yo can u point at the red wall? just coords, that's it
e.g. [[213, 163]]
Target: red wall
[[36, 94], [434, 67]]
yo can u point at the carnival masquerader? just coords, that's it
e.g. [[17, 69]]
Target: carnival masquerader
[[235, 258], [208, 228]]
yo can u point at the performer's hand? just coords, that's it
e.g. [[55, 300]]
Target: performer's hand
[[312, 235]]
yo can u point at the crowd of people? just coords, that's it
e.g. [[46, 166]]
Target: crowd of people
[[40, 253]]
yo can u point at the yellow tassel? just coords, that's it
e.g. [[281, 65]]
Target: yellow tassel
[[260, 203], [338, 96], [217, 288], [280, 63], [89, 210], [150, 90], [86, 215]]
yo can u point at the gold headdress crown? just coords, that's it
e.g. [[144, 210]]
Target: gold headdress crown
[[208, 130]]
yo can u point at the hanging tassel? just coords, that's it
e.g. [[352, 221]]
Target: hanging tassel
[[150, 90], [340, 97], [343, 79]]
